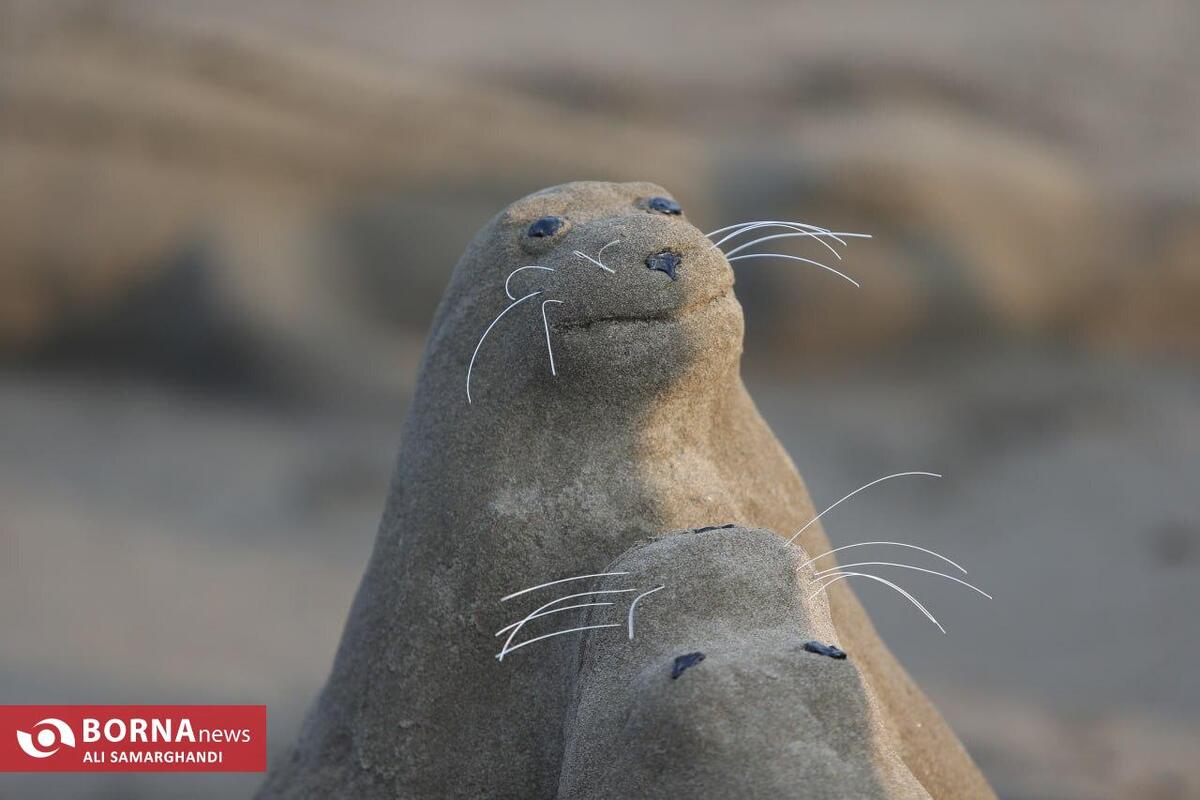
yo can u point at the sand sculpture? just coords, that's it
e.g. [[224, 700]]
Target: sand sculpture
[[599, 339], [771, 708]]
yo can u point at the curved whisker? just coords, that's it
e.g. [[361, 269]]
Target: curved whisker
[[633, 606], [508, 628], [546, 325], [814, 559], [519, 269], [843, 575], [796, 258], [825, 572], [507, 644], [508, 597], [583, 255], [856, 491], [755, 222], [762, 239], [809, 234], [499, 316], [742, 227], [502, 653], [600, 252], [818, 235]]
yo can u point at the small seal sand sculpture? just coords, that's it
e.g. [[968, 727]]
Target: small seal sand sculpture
[[767, 709], [579, 393]]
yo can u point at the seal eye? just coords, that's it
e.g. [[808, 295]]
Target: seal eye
[[664, 205], [546, 226]]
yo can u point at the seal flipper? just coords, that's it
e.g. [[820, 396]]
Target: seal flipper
[[762, 716]]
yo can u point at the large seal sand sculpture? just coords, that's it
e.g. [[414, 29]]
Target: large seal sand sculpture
[[605, 407]]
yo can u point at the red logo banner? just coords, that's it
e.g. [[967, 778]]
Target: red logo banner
[[133, 738]]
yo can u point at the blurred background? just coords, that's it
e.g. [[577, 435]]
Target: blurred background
[[224, 227]]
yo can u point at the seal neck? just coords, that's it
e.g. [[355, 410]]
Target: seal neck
[[562, 432]]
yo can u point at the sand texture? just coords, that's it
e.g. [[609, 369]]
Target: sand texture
[[645, 428]]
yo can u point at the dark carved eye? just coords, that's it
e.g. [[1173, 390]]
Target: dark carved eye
[[664, 205], [546, 226]]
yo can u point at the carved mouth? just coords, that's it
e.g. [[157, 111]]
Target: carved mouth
[[666, 316]]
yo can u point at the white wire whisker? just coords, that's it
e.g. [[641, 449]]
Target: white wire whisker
[[499, 316], [796, 258], [507, 650], [837, 576], [508, 628], [933, 553], [826, 572], [819, 235], [633, 607], [519, 269], [508, 597], [546, 325], [762, 239], [512, 635], [856, 491], [597, 260], [742, 227], [760, 222]]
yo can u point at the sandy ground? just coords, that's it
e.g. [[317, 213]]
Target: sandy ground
[[164, 547]]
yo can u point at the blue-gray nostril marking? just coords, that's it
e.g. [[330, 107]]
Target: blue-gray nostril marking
[[685, 662], [664, 205], [829, 650], [546, 226], [666, 261]]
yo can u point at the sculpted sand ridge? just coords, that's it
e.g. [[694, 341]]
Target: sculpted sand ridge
[[644, 426]]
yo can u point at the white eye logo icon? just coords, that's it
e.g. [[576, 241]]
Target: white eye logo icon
[[53, 734]]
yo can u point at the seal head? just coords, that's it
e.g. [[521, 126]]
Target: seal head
[[624, 294]]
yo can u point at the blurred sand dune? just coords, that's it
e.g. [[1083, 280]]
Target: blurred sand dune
[[126, 151], [330, 189]]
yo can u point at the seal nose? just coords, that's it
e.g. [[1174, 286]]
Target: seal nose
[[666, 261]]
